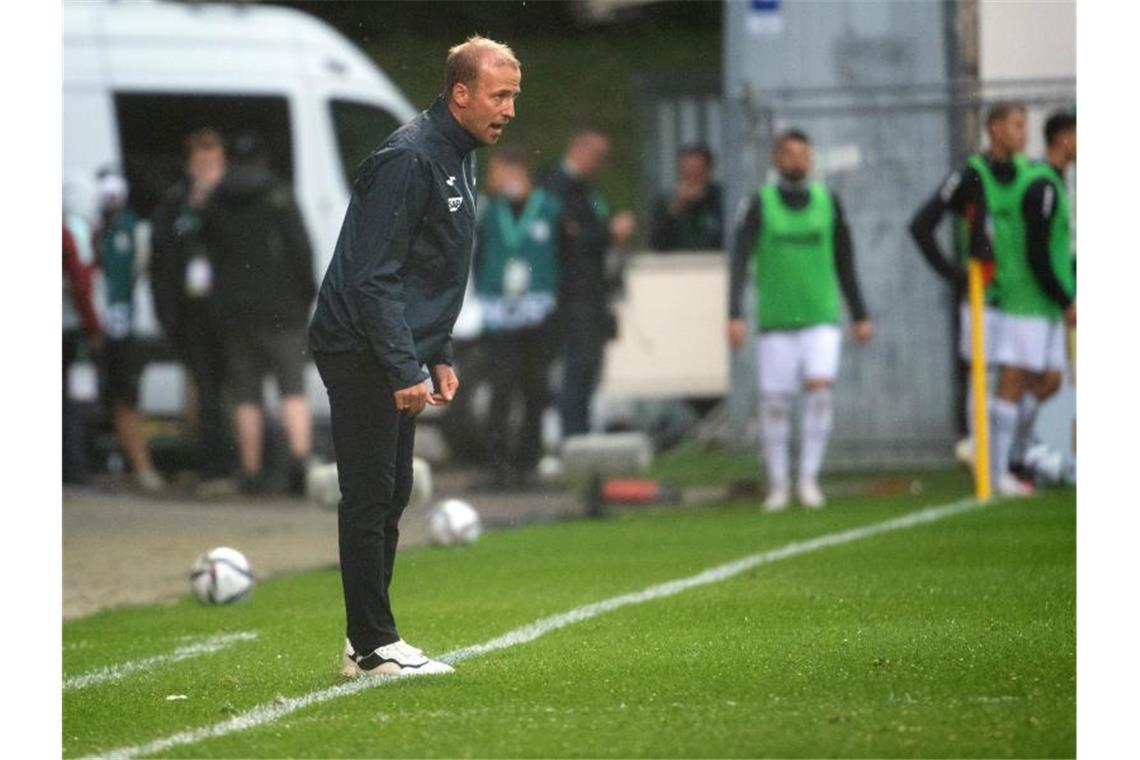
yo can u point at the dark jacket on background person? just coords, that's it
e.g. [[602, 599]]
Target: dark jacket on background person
[[397, 277], [260, 252], [175, 240], [585, 238], [699, 228]]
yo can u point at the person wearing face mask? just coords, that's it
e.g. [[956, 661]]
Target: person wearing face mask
[[117, 247], [515, 269], [795, 232]]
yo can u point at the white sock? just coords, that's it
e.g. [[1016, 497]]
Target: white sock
[[815, 431], [1003, 427], [775, 430], [1026, 420]]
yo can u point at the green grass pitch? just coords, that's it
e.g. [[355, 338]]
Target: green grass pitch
[[951, 639]]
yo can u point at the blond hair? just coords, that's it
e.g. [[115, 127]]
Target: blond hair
[[464, 60], [204, 139]]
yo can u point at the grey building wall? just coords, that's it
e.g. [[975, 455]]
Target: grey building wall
[[868, 81]]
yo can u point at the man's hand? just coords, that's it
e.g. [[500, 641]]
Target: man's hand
[[686, 194], [1071, 315], [622, 226], [411, 401], [862, 331], [445, 382], [737, 332]]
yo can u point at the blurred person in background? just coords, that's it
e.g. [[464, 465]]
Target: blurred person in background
[[117, 247], [1036, 289], [690, 218], [264, 285], [587, 233], [386, 308], [795, 232], [82, 336], [182, 285], [987, 178], [515, 267]]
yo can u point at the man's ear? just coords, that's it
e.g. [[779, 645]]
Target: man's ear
[[460, 94]]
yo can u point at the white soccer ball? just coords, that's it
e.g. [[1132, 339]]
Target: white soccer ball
[[1048, 466], [453, 522], [221, 576], [322, 484]]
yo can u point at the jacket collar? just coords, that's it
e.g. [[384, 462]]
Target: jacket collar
[[463, 141]]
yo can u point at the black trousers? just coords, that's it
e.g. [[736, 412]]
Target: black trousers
[[519, 370], [75, 418], [203, 353], [373, 443], [585, 330]]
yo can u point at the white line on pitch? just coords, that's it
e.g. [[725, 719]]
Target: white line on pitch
[[207, 645], [267, 713]]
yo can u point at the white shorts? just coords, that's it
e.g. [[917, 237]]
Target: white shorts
[[1033, 343], [787, 357], [991, 318]]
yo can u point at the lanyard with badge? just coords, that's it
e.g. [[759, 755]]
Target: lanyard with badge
[[516, 271], [199, 276]]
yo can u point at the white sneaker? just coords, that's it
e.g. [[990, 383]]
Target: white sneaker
[[809, 494], [1009, 486], [397, 659], [150, 481], [777, 500]]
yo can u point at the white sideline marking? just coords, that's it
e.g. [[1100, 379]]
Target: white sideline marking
[[115, 672], [269, 712]]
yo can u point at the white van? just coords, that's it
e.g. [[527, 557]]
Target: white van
[[139, 76]]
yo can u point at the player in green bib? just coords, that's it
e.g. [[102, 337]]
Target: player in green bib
[[987, 180], [1035, 284], [116, 242], [515, 272], [794, 233]]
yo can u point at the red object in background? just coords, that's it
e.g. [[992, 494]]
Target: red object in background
[[989, 268], [79, 277], [631, 491]]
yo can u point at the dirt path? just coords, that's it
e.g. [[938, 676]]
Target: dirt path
[[124, 548]]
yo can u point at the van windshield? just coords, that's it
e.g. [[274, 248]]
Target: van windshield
[[360, 128]]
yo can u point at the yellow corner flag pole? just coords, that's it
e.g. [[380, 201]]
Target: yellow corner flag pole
[[978, 382]]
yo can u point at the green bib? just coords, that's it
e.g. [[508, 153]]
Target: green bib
[[1003, 210], [508, 244], [796, 283], [1018, 290], [117, 257]]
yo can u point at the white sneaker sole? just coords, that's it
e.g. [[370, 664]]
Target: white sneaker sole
[[349, 669]]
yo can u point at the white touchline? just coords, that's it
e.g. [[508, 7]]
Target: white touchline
[[267, 713], [115, 672]]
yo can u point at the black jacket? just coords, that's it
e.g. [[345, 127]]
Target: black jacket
[[396, 280], [961, 192], [175, 240], [584, 240], [259, 250], [699, 228]]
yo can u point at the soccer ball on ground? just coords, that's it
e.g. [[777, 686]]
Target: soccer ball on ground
[[221, 576], [322, 484], [453, 522]]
